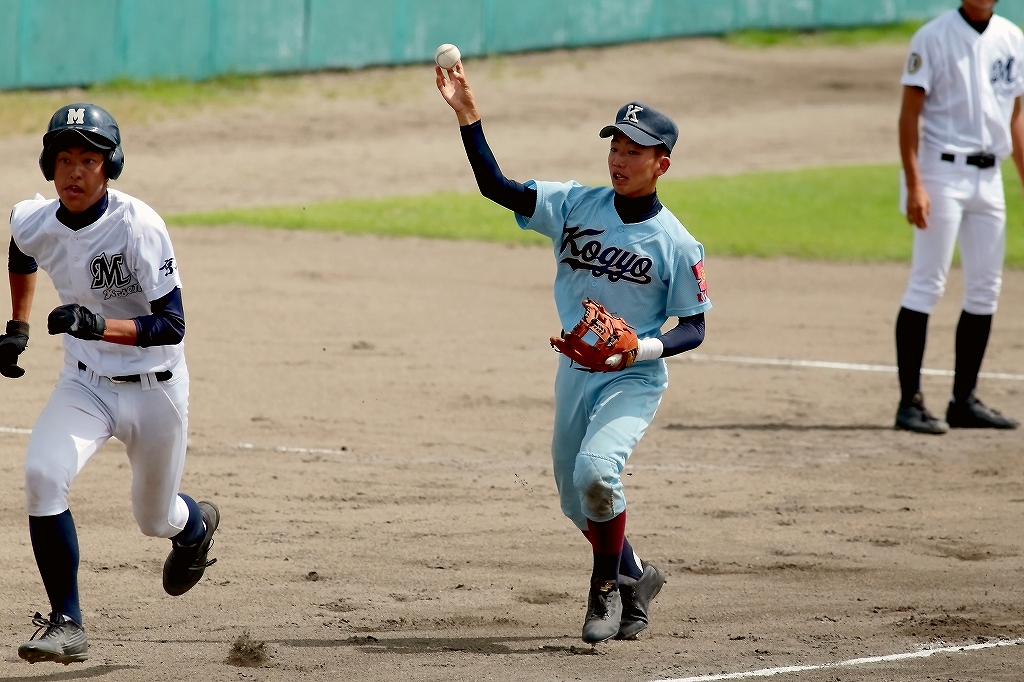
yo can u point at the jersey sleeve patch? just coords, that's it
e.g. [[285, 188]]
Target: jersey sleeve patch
[[152, 261], [917, 69], [702, 281], [688, 284]]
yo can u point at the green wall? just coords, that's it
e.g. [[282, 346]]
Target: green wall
[[51, 43]]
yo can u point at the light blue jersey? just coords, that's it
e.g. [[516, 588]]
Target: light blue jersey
[[644, 272]]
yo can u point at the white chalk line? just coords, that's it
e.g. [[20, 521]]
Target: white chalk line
[[697, 357], [847, 366], [238, 446], [288, 448], [924, 653]]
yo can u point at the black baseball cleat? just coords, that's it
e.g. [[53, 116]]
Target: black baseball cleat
[[972, 414], [916, 417], [604, 612], [63, 641], [636, 600], [185, 565]]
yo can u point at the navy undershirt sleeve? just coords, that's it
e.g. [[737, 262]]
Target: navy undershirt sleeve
[[18, 263], [512, 195], [166, 326], [686, 336]]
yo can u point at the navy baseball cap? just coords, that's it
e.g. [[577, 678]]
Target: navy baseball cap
[[644, 125]]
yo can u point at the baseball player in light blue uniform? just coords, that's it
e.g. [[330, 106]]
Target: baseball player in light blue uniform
[[620, 247], [642, 272]]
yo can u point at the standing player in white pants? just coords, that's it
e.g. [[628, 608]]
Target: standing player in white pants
[[110, 258], [964, 78]]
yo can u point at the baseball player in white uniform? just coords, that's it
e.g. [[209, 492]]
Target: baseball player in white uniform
[[964, 78], [110, 258]]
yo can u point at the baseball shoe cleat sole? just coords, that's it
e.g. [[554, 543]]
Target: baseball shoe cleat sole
[[62, 641], [636, 601], [186, 564], [916, 417], [973, 414], [604, 612]]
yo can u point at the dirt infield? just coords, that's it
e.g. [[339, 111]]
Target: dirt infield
[[794, 524], [373, 417]]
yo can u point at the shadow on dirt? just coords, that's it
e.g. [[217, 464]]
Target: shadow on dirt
[[778, 427], [471, 645], [73, 674]]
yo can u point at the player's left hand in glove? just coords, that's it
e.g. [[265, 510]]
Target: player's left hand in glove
[[76, 320], [600, 342], [13, 344]]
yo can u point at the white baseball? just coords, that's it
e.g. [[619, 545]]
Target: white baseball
[[614, 360], [447, 56]]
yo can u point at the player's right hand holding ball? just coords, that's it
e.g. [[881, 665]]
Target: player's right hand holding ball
[[13, 344], [457, 93]]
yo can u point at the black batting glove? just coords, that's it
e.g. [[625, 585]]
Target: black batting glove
[[13, 344], [76, 320]]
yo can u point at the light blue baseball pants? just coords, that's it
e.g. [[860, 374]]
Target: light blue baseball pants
[[599, 419]]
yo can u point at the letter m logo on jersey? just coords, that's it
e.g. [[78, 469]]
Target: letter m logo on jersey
[[1002, 72], [109, 272]]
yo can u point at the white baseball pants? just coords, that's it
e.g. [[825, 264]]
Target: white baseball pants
[[967, 205], [84, 411]]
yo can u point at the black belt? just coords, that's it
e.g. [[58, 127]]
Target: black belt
[[132, 378], [979, 160]]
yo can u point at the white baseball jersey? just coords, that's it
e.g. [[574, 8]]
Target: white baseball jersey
[[971, 80], [114, 267]]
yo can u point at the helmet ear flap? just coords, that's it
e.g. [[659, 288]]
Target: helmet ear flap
[[114, 164], [46, 165]]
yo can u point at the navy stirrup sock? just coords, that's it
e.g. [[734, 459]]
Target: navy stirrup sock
[[911, 333], [629, 564], [55, 545], [195, 528], [971, 339]]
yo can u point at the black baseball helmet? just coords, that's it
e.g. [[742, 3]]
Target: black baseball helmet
[[83, 125]]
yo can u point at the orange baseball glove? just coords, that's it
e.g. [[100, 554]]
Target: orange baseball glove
[[600, 342]]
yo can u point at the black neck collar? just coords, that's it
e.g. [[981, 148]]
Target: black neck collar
[[76, 221], [978, 26], [637, 209]]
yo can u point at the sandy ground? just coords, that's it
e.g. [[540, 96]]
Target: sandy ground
[[374, 424], [387, 131]]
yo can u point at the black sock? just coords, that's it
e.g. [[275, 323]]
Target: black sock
[[606, 568], [911, 332], [629, 567], [194, 528], [971, 340], [55, 545]]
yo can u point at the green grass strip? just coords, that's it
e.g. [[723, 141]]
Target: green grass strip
[[830, 213], [842, 37], [846, 214], [445, 216]]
